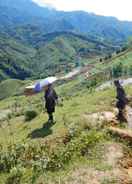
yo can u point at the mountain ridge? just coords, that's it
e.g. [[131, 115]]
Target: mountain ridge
[[27, 26], [50, 20]]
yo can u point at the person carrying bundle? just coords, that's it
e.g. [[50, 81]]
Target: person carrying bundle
[[50, 101]]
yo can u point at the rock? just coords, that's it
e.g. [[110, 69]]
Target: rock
[[108, 116], [101, 118], [130, 172], [123, 133], [114, 152], [129, 116], [4, 114]]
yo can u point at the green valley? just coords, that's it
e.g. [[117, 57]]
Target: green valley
[[51, 55], [87, 144]]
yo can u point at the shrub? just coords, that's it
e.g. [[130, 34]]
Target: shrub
[[30, 114], [101, 60], [92, 83], [18, 159], [123, 49], [118, 51], [106, 57], [15, 176], [118, 70], [109, 56]]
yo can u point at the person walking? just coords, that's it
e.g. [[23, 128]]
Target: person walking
[[122, 101], [51, 98]]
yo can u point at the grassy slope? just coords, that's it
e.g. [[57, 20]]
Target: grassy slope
[[73, 108], [124, 58], [76, 104], [12, 87]]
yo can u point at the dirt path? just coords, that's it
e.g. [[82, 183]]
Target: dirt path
[[4, 114], [109, 172], [129, 116], [78, 71], [108, 84]]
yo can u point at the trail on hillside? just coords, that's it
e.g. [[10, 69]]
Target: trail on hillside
[[129, 116], [4, 114]]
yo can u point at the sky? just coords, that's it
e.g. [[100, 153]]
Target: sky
[[122, 9]]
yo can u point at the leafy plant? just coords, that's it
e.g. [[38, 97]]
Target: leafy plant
[[15, 176], [30, 114]]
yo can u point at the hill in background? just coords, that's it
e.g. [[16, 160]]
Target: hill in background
[[53, 53], [32, 39]]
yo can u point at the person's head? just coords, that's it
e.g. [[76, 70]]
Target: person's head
[[117, 83], [47, 87]]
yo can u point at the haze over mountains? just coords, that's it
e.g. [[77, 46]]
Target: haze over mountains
[[34, 39]]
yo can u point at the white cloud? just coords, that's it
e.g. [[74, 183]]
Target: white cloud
[[121, 9]]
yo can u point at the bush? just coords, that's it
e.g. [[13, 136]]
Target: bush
[[30, 114], [109, 56], [106, 57], [118, 70], [101, 60], [15, 176], [92, 83], [123, 49], [118, 51], [18, 159]]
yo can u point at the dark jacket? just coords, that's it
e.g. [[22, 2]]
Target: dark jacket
[[50, 100], [122, 98]]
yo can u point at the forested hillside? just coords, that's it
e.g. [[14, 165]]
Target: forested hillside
[[32, 39]]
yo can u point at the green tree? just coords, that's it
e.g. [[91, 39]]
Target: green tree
[[118, 70], [129, 42]]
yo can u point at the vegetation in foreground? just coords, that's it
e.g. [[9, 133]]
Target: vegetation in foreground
[[36, 152]]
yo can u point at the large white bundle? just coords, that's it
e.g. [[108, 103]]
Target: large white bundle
[[38, 86], [41, 84], [29, 90]]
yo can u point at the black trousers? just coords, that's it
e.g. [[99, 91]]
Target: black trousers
[[50, 116]]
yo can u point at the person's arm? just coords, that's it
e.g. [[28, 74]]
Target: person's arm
[[55, 95], [122, 95]]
